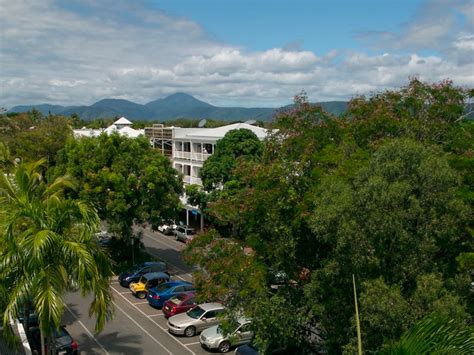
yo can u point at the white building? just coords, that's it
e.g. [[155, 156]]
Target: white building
[[188, 149], [122, 126]]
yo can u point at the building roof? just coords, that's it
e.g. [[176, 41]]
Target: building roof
[[218, 132], [122, 121]]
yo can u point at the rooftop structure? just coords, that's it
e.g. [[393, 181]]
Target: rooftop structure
[[122, 126]]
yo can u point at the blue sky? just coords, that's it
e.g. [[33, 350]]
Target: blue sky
[[256, 53], [318, 26]]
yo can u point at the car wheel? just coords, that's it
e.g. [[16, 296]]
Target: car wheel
[[141, 295], [224, 347], [190, 331]]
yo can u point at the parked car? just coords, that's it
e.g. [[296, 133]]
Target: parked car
[[180, 303], [103, 237], [134, 273], [161, 293], [213, 338], [195, 320], [167, 228], [64, 343], [184, 233], [147, 281]]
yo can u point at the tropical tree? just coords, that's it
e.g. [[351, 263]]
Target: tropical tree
[[434, 335], [124, 178], [47, 245], [236, 144], [384, 193]]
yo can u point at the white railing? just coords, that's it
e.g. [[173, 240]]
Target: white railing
[[192, 180], [200, 156], [182, 155]]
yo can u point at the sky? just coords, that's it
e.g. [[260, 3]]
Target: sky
[[247, 53]]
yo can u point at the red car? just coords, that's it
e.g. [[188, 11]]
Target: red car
[[179, 304]]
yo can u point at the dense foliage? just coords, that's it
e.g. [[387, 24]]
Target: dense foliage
[[47, 246], [236, 145], [384, 193], [31, 136], [127, 180]]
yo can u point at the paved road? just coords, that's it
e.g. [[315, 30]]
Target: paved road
[[137, 328]]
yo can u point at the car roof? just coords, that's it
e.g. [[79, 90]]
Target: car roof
[[243, 320], [210, 306], [156, 275], [177, 283]]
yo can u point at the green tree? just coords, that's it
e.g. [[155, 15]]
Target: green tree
[[29, 138], [124, 178], [47, 245], [434, 335], [236, 144]]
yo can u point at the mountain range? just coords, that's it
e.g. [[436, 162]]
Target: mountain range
[[179, 105]]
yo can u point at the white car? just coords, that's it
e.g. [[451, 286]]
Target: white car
[[167, 228]]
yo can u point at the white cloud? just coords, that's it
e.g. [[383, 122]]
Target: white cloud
[[88, 50]]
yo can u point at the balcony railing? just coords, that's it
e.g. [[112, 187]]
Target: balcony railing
[[191, 156], [192, 180]]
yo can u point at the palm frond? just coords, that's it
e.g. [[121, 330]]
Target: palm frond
[[434, 335]]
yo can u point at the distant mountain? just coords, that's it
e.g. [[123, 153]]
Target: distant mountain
[[179, 105]]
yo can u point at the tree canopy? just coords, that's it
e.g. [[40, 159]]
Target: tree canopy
[[236, 145], [46, 246], [384, 193], [124, 178]]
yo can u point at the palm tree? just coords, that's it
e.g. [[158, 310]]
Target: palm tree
[[434, 335], [46, 244]]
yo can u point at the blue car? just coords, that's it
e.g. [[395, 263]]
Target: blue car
[[137, 271], [159, 294]]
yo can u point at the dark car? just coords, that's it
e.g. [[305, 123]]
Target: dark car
[[180, 303], [64, 344], [134, 274], [161, 293]]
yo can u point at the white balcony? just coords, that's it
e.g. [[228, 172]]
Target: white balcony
[[182, 155], [192, 180]]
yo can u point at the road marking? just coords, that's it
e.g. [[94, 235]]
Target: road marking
[[114, 282], [87, 330], [174, 243], [180, 277], [143, 302], [123, 292], [156, 315], [198, 342], [143, 329], [159, 326]]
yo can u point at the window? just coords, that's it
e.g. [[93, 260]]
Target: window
[[188, 288], [179, 289], [210, 314], [245, 328], [189, 302]]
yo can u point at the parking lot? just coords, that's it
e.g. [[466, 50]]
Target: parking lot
[[137, 328]]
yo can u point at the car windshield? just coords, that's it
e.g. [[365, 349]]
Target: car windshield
[[162, 287], [196, 312]]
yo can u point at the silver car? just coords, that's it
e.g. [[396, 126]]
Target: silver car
[[184, 233], [195, 320], [213, 338]]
